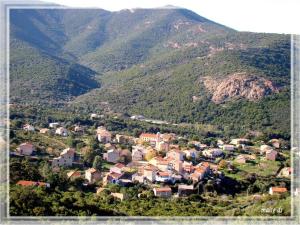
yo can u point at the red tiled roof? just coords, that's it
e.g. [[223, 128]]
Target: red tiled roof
[[119, 165], [30, 183], [26, 143], [163, 189], [163, 174], [147, 135], [114, 175], [73, 173], [91, 170]]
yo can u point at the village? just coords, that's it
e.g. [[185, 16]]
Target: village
[[168, 169]]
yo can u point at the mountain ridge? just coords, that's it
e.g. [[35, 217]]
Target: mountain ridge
[[145, 61]]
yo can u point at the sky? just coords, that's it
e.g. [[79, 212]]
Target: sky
[[269, 16]]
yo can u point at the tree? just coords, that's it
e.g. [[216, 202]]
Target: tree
[[97, 164], [150, 154], [223, 164], [71, 142]]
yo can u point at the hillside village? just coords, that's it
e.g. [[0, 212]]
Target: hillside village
[[156, 160]]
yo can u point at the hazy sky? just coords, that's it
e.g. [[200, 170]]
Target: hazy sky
[[272, 16]]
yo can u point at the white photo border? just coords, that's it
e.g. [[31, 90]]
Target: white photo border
[[4, 143]]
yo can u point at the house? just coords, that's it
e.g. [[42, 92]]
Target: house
[[212, 153], [146, 137], [26, 183], [25, 148], [109, 146], [175, 154], [202, 146], [241, 159], [164, 192], [137, 117], [92, 175], [163, 177], [103, 135], [124, 139], [78, 129], [66, 158], [112, 155], [28, 127], [277, 190], [275, 143], [285, 172], [44, 130], [73, 174], [271, 154], [138, 178], [176, 165], [197, 175], [138, 153], [228, 147], [200, 171], [220, 143], [162, 146], [125, 182], [239, 141], [61, 131], [168, 137], [184, 190], [191, 153], [161, 163], [94, 116], [121, 139], [117, 168], [118, 195], [188, 167], [149, 172], [265, 148], [54, 125], [112, 178]]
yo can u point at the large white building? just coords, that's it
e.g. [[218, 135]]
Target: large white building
[[66, 158]]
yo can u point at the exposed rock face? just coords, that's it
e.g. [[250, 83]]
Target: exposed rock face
[[239, 85]]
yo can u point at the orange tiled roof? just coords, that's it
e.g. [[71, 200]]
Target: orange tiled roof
[[279, 189], [31, 183]]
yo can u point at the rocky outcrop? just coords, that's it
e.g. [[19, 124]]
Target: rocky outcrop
[[239, 85]]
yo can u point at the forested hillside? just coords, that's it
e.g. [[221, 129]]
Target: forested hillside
[[168, 64]]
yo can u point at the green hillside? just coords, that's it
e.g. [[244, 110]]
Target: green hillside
[[168, 64]]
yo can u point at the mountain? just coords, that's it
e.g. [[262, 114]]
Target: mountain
[[168, 64]]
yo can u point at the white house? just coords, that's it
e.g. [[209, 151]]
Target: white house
[[165, 192], [103, 135], [61, 131], [212, 153], [175, 154], [112, 155], [92, 175], [28, 127], [25, 148], [163, 177], [137, 153], [54, 125], [228, 147], [66, 158]]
